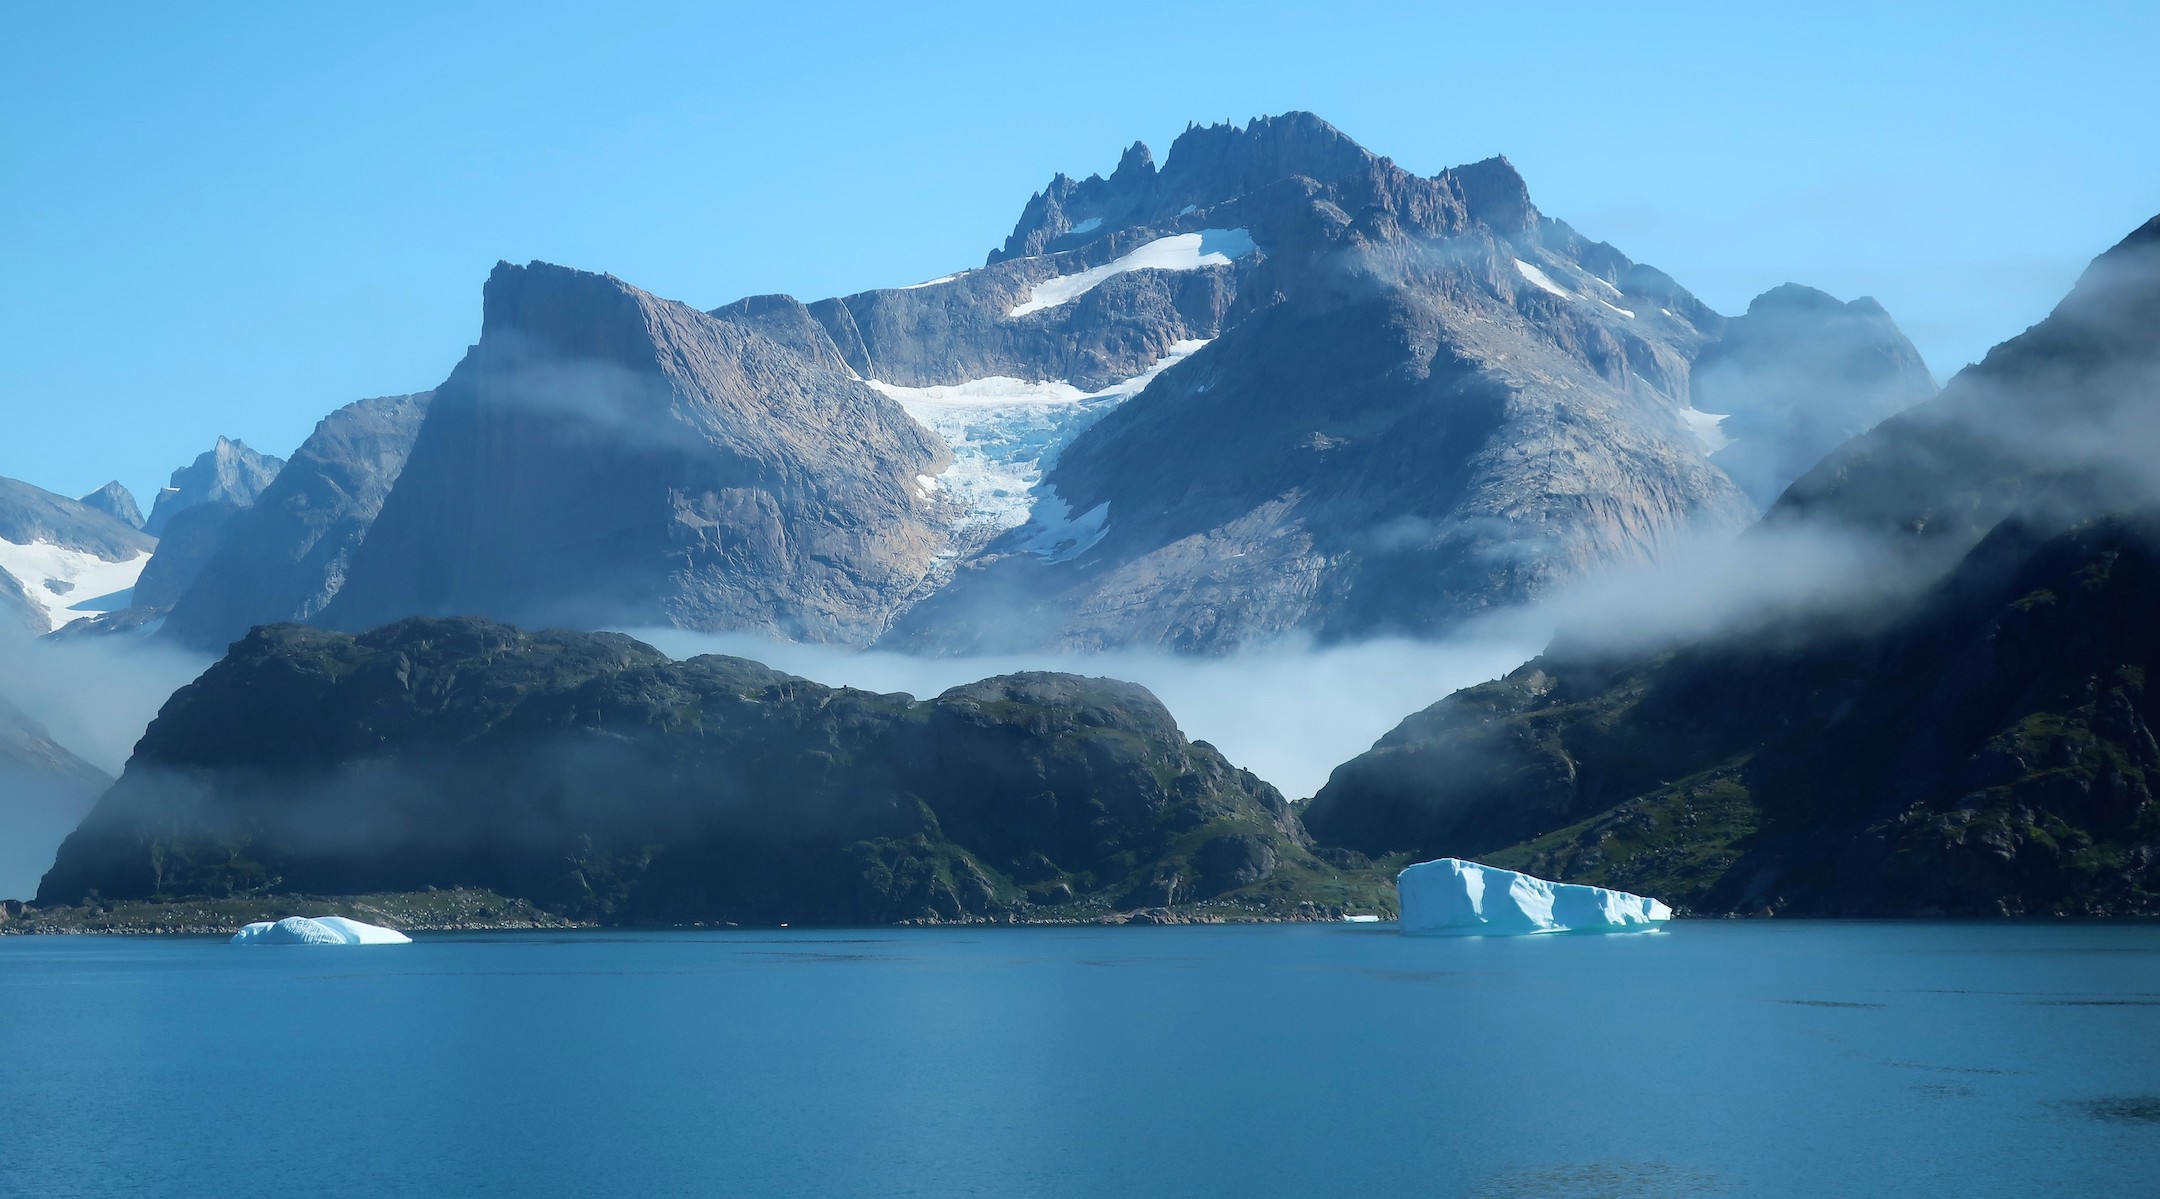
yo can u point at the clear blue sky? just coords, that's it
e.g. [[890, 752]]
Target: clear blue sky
[[233, 218]]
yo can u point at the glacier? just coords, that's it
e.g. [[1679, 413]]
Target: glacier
[[1004, 434], [318, 930], [67, 584], [1471, 899]]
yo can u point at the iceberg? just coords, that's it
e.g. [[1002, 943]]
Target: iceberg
[[318, 930], [1470, 899]]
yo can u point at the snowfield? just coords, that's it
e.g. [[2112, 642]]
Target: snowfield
[[1542, 281], [68, 585], [1178, 252], [1004, 433]]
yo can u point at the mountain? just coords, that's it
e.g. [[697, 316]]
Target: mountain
[[603, 456], [44, 793], [1426, 399], [66, 561], [2056, 423], [590, 775], [286, 555], [1983, 749], [1797, 376], [229, 471], [117, 502], [1275, 386]]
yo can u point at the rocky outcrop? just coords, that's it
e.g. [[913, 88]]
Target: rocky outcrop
[[590, 775], [44, 792], [287, 555], [117, 502], [1799, 375], [228, 472], [606, 457], [1984, 748]]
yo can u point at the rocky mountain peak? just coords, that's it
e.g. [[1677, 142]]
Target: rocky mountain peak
[[568, 313], [229, 472], [1496, 195], [117, 502]]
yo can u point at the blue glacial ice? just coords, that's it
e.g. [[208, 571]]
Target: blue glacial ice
[[1468, 899], [318, 930]]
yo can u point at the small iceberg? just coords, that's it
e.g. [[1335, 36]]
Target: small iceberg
[[1361, 919], [1469, 899], [318, 930]]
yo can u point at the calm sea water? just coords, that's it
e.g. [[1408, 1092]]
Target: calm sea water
[[1753, 1058]]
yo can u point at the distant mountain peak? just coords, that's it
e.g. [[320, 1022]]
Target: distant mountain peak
[[229, 471]]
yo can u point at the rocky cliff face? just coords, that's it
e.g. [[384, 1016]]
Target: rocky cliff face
[[44, 792], [228, 472], [603, 456], [285, 556], [1983, 749], [1799, 375], [592, 776]]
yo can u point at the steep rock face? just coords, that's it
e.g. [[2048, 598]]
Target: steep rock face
[[1426, 400], [285, 556], [227, 472], [604, 456], [192, 538], [1981, 749], [1799, 375], [591, 775], [117, 502], [44, 792]]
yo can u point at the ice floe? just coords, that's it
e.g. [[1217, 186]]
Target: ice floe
[[68, 585], [1471, 899], [1178, 252], [318, 930]]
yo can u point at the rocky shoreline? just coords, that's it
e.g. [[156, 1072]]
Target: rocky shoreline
[[484, 911]]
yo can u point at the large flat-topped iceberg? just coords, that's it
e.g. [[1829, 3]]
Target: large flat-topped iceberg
[[318, 930], [1465, 898]]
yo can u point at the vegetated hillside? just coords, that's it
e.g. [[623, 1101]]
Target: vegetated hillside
[[591, 776]]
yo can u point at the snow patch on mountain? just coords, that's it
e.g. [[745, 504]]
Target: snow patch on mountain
[[1089, 225], [68, 585], [1704, 425], [1052, 532], [1542, 281], [1178, 252], [1005, 432], [928, 283]]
